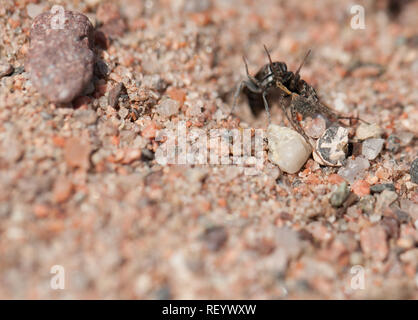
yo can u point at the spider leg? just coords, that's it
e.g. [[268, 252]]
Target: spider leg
[[282, 105], [353, 118], [330, 113], [295, 122], [296, 125]]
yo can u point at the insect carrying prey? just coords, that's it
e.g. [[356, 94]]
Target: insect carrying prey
[[299, 97]]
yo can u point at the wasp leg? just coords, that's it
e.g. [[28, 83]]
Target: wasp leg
[[252, 85], [244, 84], [240, 87], [266, 105]]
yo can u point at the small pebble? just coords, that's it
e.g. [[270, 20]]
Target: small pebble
[[402, 216], [414, 171], [196, 6], [62, 189], [77, 152], [114, 95], [34, 9], [89, 89], [168, 107], [6, 69], [371, 148], [405, 243], [373, 242], [366, 203], [332, 146], [378, 188], [315, 127], [177, 94], [391, 226], [123, 113], [215, 237], [147, 155], [366, 131], [356, 147], [361, 188], [87, 117], [287, 148], [108, 14], [354, 169], [18, 70], [340, 195], [393, 143], [405, 137], [101, 69], [385, 199]]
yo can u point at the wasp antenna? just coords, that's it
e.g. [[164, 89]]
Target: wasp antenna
[[268, 54], [303, 62]]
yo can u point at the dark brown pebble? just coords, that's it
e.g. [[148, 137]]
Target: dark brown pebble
[[402, 216], [147, 155], [114, 94], [6, 69], [101, 69], [391, 226], [378, 188], [112, 23], [306, 235], [215, 237], [60, 61], [286, 216]]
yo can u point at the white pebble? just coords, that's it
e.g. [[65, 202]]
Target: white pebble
[[168, 107], [34, 9], [315, 127], [354, 169], [287, 148], [366, 131], [371, 148]]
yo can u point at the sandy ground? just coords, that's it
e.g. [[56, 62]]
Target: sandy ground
[[80, 186]]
